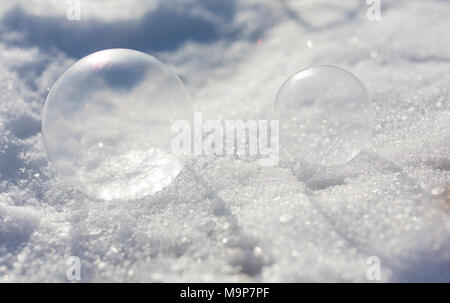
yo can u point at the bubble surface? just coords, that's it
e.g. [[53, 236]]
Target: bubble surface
[[326, 116], [106, 124]]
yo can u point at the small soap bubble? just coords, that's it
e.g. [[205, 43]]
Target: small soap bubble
[[106, 124], [326, 116]]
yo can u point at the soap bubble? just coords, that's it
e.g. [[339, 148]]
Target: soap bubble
[[107, 121], [325, 114]]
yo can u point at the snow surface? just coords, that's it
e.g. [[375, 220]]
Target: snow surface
[[227, 219]]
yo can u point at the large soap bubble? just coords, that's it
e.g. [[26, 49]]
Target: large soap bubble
[[325, 114], [107, 122]]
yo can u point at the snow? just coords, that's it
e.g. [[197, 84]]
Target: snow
[[227, 219]]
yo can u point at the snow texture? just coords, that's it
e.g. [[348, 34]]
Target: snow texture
[[226, 219]]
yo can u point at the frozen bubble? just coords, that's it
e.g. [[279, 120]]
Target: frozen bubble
[[326, 116], [107, 122]]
